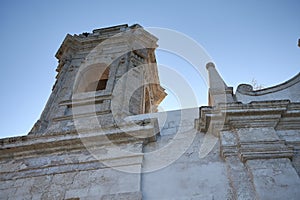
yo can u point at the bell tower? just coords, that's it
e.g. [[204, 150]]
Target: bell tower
[[102, 77]]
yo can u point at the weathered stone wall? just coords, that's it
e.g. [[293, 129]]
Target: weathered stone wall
[[242, 146], [72, 166], [88, 166], [94, 182], [246, 163], [189, 177]]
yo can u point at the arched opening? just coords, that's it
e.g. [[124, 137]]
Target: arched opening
[[98, 84], [94, 78]]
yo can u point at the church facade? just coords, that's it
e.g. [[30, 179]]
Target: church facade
[[100, 135]]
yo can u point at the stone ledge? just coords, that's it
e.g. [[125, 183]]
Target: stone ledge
[[254, 114], [123, 196], [32, 145]]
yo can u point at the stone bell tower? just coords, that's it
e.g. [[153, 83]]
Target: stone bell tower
[[102, 77]]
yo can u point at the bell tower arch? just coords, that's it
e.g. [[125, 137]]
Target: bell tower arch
[[90, 66]]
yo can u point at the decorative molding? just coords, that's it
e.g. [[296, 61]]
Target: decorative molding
[[247, 89]]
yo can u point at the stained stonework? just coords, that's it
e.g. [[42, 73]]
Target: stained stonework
[[259, 134], [92, 142], [102, 77]]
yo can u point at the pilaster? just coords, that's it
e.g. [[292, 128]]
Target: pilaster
[[253, 148]]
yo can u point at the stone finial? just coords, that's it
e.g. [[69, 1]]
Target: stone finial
[[215, 80], [210, 64], [219, 92]]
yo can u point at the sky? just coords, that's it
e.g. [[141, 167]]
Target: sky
[[245, 39]]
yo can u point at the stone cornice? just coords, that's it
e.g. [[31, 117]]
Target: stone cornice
[[132, 33], [254, 114], [33, 145], [257, 143]]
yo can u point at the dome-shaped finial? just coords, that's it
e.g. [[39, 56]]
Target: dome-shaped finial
[[210, 64]]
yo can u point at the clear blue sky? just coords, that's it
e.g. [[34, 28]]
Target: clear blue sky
[[246, 39]]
